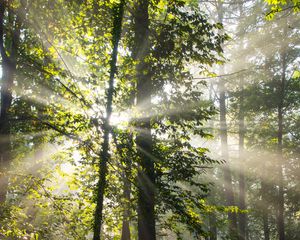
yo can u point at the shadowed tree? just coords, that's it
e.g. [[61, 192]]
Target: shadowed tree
[[117, 12], [146, 175], [10, 27]]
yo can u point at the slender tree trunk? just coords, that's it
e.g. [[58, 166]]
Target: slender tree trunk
[[212, 221], [126, 212], [127, 161], [229, 194], [118, 11], [242, 217], [228, 189], [146, 174], [242, 190], [125, 235], [281, 93], [280, 216], [266, 186], [265, 209], [8, 74]]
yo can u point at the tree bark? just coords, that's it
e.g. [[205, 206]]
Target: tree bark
[[118, 11], [146, 174], [125, 235], [126, 212], [9, 64]]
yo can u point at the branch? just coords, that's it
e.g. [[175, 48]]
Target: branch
[[223, 75], [41, 69]]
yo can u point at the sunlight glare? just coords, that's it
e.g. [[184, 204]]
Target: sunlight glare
[[120, 119]]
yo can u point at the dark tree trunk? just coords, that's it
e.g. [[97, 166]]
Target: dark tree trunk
[[118, 11], [125, 235], [5, 144], [146, 174], [126, 212], [8, 74]]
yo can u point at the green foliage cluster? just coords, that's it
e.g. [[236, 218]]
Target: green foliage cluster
[[282, 5]]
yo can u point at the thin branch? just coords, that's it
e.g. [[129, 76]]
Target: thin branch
[[223, 75], [41, 69]]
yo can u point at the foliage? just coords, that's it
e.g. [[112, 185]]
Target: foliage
[[282, 5], [57, 116]]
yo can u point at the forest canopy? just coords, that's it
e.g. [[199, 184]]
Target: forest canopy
[[149, 119]]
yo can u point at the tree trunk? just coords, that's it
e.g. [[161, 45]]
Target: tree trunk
[[229, 195], [228, 188], [212, 221], [280, 216], [118, 11], [126, 213], [242, 217], [8, 73], [242, 190], [127, 189], [146, 174], [5, 144], [281, 95], [265, 209]]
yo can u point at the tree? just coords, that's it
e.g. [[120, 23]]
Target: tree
[[9, 55], [228, 188], [118, 10], [107, 129], [146, 175]]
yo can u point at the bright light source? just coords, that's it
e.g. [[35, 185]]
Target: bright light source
[[120, 119]]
